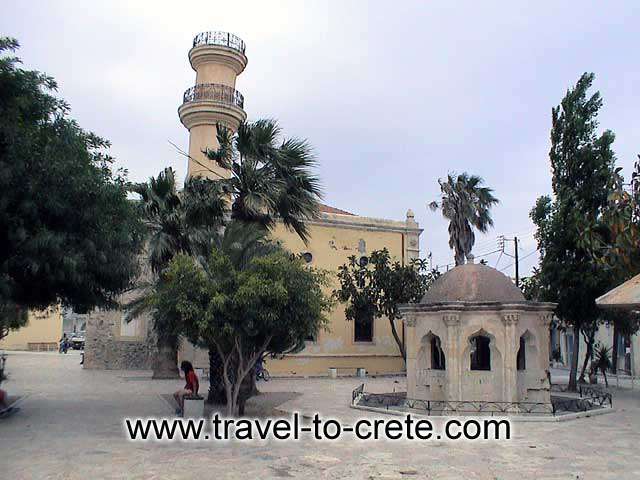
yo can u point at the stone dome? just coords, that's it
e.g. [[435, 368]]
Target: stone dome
[[473, 283]]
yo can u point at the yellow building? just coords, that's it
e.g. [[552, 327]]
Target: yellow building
[[218, 58], [41, 333]]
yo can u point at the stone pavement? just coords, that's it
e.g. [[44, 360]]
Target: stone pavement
[[70, 427]]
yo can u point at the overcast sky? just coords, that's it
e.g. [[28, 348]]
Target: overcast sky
[[392, 95]]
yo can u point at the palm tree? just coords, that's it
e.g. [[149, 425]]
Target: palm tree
[[602, 361], [466, 204], [269, 181], [176, 222]]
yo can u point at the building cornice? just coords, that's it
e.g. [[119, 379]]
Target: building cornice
[[363, 223], [512, 307]]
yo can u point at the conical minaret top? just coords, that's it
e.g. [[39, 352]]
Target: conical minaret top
[[218, 58]]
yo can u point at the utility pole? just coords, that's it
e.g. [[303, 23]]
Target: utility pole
[[501, 240], [515, 244]]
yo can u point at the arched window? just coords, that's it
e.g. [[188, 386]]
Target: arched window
[[480, 353], [521, 359], [363, 327], [437, 354]]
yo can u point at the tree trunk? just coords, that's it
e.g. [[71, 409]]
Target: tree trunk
[[246, 391], [590, 338], [614, 351], [573, 373], [217, 394], [254, 386], [166, 362], [398, 341]]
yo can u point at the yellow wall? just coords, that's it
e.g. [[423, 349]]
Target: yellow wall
[[333, 239], [331, 246], [42, 327]]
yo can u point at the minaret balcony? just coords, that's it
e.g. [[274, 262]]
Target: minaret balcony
[[214, 92], [220, 48], [212, 103], [221, 39]]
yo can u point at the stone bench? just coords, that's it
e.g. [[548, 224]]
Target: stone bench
[[193, 406]]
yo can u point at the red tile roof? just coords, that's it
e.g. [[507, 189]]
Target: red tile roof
[[328, 209]]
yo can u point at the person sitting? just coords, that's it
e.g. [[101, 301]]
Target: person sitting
[[191, 387], [3, 401]]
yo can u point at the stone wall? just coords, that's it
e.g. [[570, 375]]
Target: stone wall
[[106, 349]]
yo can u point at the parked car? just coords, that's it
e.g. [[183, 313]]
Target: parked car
[[77, 341]]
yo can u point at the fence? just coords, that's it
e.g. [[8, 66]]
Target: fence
[[589, 399]]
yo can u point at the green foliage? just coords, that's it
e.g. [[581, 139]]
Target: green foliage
[[67, 231], [602, 361], [376, 288], [583, 167], [12, 317], [268, 181], [176, 222], [466, 204], [531, 287], [272, 305], [613, 240], [179, 222]]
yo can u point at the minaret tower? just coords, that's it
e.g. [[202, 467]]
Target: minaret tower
[[218, 58]]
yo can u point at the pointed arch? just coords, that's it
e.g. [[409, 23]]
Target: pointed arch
[[480, 348], [527, 351], [431, 355]]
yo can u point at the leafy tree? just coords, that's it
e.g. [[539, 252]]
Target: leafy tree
[[531, 288], [268, 181], [271, 306], [582, 165], [376, 287], [12, 317], [68, 233], [466, 204], [613, 240], [241, 243], [176, 222]]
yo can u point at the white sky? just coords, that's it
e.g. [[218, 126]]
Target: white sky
[[392, 95]]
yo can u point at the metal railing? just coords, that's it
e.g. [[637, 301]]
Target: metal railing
[[215, 92], [595, 395], [589, 399], [357, 392], [223, 39]]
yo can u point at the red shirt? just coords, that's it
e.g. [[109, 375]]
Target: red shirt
[[192, 382]]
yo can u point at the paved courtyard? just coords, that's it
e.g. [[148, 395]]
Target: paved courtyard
[[70, 426]]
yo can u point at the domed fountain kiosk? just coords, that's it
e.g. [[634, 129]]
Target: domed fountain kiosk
[[474, 338]]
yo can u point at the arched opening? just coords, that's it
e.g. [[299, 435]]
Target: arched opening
[[521, 359], [431, 354], [480, 356], [437, 354], [527, 352]]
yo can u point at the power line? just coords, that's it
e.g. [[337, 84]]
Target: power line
[[481, 255], [521, 258]]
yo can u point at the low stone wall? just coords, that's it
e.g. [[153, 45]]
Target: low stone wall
[[106, 350]]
